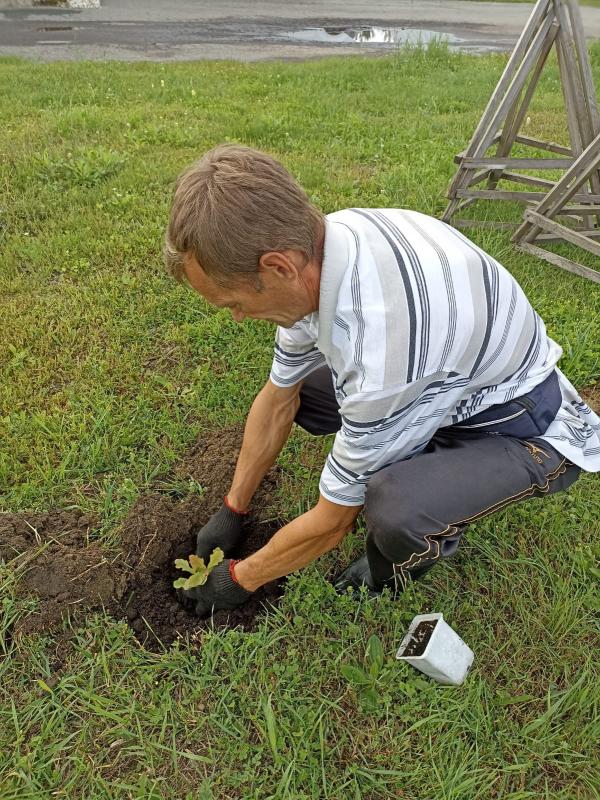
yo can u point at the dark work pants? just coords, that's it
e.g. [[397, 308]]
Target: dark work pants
[[417, 509]]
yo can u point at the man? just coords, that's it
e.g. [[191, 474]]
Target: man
[[396, 332]]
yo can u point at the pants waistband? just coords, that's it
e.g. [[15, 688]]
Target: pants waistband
[[525, 416]]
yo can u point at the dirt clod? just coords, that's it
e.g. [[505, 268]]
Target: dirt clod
[[70, 573]]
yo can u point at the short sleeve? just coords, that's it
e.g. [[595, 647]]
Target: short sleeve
[[296, 354]]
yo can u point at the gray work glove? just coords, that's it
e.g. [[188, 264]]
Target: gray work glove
[[223, 529], [219, 592]]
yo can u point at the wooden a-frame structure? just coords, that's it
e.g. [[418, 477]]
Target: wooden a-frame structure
[[541, 225], [553, 23]]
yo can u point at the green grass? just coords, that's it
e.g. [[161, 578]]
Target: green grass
[[111, 370], [594, 3]]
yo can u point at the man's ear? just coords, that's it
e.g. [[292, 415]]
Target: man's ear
[[280, 263]]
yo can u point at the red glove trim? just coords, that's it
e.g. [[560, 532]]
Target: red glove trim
[[232, 564], [231, 508]]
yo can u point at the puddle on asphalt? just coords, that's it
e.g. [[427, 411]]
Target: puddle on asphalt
[[398, 36]]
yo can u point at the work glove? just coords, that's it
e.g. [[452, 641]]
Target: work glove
[[219, 592], [223, 529]]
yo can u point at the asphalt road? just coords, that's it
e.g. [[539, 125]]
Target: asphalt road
[[159, 30]]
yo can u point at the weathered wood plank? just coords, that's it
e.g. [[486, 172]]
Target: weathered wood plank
[[566, 188], [478, 177], [516, 115], [501, 194], [494, 162], [541, 10], [552, 147], [521, 196], [568, 234], [517, 83], [560, 261], [581, 209], [555, 237], [528, 180], [584, 65]]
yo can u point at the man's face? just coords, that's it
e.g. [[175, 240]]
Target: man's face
[[275, 295]]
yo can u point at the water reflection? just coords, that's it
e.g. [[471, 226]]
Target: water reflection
[[373, 35]]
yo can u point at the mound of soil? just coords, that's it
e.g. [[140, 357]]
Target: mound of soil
[[70, 573], [59, 564]]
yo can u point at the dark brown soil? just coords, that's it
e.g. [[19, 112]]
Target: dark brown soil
[[591, 395], [59, 563], [420, 638], [156, 532], [70, 573]]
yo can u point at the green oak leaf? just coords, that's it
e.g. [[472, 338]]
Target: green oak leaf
[[197, 563], [216, 557], [197, 579]]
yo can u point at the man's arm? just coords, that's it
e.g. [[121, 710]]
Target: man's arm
[[267, 429], [297, 544]]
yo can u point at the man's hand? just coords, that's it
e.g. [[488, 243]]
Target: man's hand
[[219, 592], [223, 529]]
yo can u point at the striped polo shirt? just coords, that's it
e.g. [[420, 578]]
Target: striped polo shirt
[[421, 329]]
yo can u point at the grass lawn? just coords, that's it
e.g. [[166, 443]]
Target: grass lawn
[[111, 371], [594, 3]]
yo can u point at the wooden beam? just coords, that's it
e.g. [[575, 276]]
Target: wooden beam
[[560, 261], [577, 110], [540, 12], [552, 23], [518, 82], [522, 196], [500, 194], [581, 209], [493, 162], [463, 153], [584, 62], [528, 180], [516, 115], [478, 177], [553, 147], [585, 68], [554, 237], [568, 234], [566, 189], [465, 203]]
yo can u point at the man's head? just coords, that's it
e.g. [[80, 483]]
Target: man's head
[[245, 236]]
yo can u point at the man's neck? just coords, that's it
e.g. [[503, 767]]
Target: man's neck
[[312, 272]]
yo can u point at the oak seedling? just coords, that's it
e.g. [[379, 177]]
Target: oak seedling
[[199, 571]]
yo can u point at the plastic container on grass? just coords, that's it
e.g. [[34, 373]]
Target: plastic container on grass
[[434, 648]]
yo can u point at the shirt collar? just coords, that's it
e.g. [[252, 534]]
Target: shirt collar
[[336, 257]]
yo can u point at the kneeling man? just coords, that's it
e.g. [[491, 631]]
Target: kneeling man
[[398, 334]]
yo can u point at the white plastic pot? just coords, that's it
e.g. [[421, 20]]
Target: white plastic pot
[[446, 657]]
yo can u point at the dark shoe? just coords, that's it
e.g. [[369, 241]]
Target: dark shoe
[[359, 574], [355, 576]]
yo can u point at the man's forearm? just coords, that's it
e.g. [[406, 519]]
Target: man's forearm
[[301, 541], [267, 430]]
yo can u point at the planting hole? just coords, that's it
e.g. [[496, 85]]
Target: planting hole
[[67, 569]]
